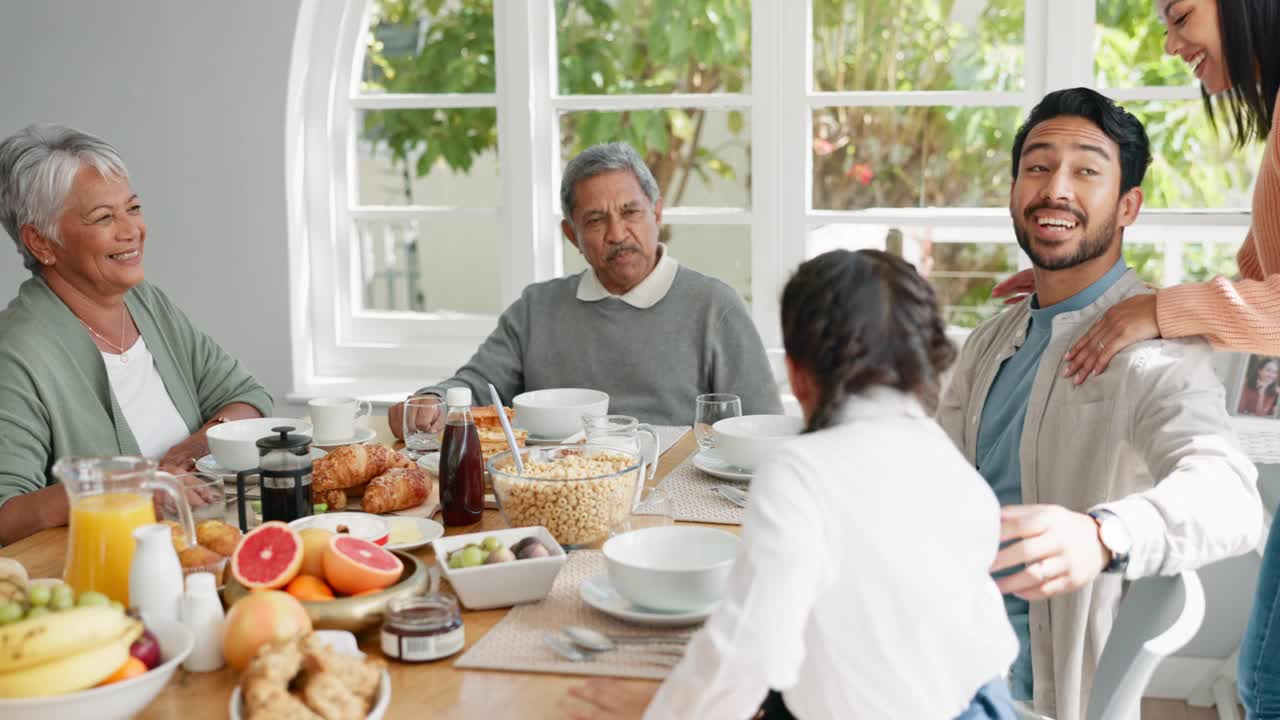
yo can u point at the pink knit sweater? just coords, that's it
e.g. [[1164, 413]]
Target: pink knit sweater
[[1243, 315]]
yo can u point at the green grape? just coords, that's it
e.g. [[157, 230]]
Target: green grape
[[455, 560], [93, 599], [63, 598], [10, 612], [490, 544], [37, 612], [473, 556], [39, 595]]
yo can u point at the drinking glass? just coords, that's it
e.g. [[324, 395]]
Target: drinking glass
[[622, 432], [710, 409], [656, 508], [423, 422], [206, 494]]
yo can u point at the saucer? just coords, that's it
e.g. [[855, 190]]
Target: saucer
[[428, 530], [209, 465], [715, 466], [598, 592], [363, 435]]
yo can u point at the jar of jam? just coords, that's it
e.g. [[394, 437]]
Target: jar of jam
[[420, 629]]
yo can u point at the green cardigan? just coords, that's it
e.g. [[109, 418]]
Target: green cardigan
[[56, 400]]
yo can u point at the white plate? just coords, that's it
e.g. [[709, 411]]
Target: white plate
[[710, 463], [208, 464], [363, 435], [373, 528], [428, 529], [598, 592]]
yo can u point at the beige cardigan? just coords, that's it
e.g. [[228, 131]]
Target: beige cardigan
[[1148, 439]]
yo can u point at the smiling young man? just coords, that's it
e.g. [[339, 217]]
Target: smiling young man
[[636, 324], [1135, 473]]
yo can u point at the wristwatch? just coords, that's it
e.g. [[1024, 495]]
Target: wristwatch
[[1114, 536]]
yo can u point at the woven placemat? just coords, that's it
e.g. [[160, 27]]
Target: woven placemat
[[516, 642], [694, 497]]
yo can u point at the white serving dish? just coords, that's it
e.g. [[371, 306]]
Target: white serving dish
[[362, 525], [123, 699], [556, 413], [234, 444], [749, 440], [502, 584], [345, 643], [673, 568]]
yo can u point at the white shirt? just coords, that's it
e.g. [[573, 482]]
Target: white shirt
[[862, 588], [643, 296], [147, 407]]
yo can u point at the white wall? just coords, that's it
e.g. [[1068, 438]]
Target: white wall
[[193, 96]]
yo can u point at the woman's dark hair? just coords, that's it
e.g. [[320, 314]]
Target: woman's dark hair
[[1250, 32], [1117, 123], [860, 319]]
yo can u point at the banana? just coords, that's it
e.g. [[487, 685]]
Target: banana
[[13, 580], [74, 672], [27, 643]]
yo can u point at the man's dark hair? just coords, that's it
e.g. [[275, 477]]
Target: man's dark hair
[[1116, 122]]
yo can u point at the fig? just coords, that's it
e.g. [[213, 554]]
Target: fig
[[534, 549], [522, 544]]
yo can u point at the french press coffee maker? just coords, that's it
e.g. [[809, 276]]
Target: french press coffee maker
[[284, 469]]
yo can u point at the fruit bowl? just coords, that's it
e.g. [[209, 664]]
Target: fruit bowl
[[123, 699], [352, 613]]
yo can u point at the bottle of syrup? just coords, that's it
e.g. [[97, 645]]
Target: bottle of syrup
[[461, 464]]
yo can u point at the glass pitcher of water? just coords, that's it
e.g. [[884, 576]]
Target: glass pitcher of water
[[110, 497], [623, 432]]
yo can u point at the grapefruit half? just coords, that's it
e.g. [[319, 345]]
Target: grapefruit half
[[352, 565], [268, 557]]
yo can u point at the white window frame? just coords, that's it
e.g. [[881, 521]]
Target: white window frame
[[339, 348]]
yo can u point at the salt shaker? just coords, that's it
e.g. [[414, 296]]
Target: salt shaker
[[155, 575], [202, 613]]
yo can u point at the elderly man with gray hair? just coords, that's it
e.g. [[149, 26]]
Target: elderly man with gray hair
[[638, 325]]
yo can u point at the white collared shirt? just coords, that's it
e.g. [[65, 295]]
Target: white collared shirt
[[643, 296], [861, 589]]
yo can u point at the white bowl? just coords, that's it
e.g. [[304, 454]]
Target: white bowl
[[343, 642], [749, 440], [501, 584], [123, 699], [557, 412], [359, 524], [234, 444], [675, 568]]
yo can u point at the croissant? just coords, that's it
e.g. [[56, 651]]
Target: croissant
[[397, 489], [352, 465]]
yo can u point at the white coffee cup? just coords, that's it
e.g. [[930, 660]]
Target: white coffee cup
[[334, 419]]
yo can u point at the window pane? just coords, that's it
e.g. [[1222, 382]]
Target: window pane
[[917, 45], [1207, 260], [641, 46], [1146, 259], [1192, 165], [429, 267], [722, 251], [413, 49], [1129, 48], [962, 263], [428, 157], [699, 157], [912, 157]]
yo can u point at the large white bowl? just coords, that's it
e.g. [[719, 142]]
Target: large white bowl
[[234, 444], [557, 412], [123, 699], [676, 568], [343, 642], [501, 584], [749, 440]]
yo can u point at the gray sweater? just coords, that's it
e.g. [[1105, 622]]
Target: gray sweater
[[698, 339]]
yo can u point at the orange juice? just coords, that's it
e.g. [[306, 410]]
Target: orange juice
[[101, 545]]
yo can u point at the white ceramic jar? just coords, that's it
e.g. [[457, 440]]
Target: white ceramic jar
[[155, 575]]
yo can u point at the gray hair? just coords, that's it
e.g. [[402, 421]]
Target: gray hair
[[38, 165], [600, 159]]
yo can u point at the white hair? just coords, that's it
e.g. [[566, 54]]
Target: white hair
[[38, 165], [600, 159]]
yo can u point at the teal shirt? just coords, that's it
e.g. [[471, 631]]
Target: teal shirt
[[55, 396], [1000, 440]]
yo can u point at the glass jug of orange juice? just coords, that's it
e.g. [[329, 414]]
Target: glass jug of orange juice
[[110, 497]]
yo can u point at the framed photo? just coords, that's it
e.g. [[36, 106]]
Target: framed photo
[[1256, 387]]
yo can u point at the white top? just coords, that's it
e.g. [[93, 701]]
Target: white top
[[862, 588], [457, 397], [147, 407], [643, 296]]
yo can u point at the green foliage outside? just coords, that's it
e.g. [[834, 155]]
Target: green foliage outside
[[863, 157]]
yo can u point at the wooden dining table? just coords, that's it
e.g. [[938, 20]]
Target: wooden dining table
[[418, 690]]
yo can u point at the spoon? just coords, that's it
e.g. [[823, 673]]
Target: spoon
[[506, 430], [733, 495], [599, 642], [564, 648]]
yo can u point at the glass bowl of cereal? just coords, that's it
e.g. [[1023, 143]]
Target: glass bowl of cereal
[[577, 492]]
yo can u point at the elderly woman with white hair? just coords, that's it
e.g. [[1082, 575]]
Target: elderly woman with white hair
[[93, 359]]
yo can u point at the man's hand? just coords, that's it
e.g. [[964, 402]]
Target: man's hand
[[182, 457], [424, 418], [608, 699], [1060, 549]]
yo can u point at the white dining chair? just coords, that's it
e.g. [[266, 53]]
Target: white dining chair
[[1158, 616]]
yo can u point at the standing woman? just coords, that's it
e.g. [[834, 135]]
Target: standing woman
[[1233, 47]]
